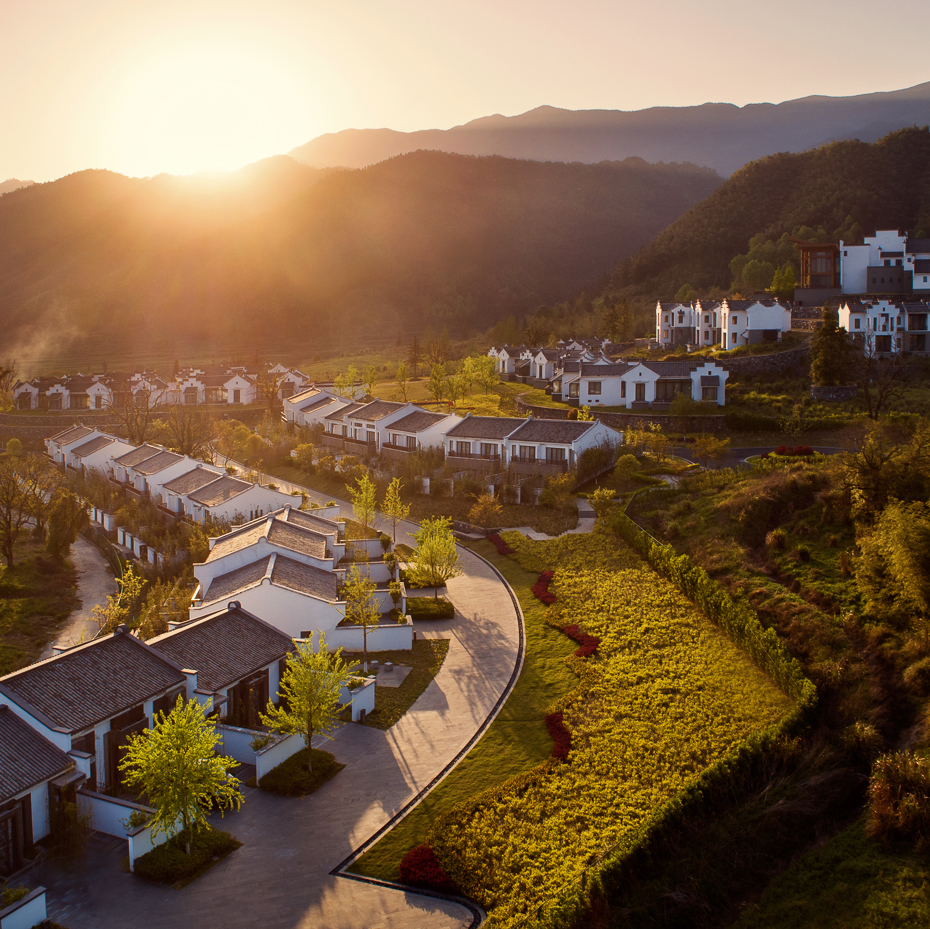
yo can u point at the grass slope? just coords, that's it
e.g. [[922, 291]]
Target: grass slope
[[515, 742]]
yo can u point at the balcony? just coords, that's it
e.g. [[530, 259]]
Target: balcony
[[361, 447], [542, 466], [396, 452], [335, 442], [469, 461]]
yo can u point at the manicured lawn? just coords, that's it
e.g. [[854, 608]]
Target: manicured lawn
[[37, 595], [852, 881], [515, 742], [391, 703]]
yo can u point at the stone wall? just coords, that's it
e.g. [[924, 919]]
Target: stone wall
[[776, 363], [834, 394], [621, 421]]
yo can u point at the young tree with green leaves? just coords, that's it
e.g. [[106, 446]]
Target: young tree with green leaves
[[67, 518], [310, 689], [369, 378], [710, 450], [176, 765], [14, 510], [303, 457], [394, 507], [486, 372], [437, 382], [830, 352], [363, 502], [403, 379], [362, 606], [346, 384], [435, 559], [414, 355], [119, 606]]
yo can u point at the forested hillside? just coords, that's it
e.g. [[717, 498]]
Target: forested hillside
[[284, 253], [883, 185]]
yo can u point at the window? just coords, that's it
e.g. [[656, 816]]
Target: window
[[237, 396], [667, 390], [856, 324], [623, 389], [371, 437], [709, 394], [555, 454], [463, 448], [411, 441], [734, 320], [527, 452], [665, 319], [706, 319], [706, 336], [98, 400], [665, 333], [573, 391], [594, 388], [488, 450], [640, 392]]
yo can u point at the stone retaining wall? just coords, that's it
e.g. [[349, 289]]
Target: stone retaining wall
[[621, 421], [834, 394]]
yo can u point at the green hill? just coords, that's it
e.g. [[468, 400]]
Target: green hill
[[280, 253], [882, 185]]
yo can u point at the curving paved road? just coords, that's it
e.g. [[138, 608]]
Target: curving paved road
[[736, 457], [280, 878]]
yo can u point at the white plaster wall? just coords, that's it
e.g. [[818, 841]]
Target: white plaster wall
[[25, 913]]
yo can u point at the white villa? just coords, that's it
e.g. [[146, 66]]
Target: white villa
[[728, 324], [886, 327]]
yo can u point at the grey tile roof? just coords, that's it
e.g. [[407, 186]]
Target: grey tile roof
[[87, 684], [304, 579], [745, 304], [712, 380], [94, 445], [223, 648], [314, 520], [558, 431], [191, 480], [239, 539], [917, 245], [485, 427], [417, 421], [610, 370], [219, 491], [670, 368], [226, 585], [315, 404], [26, 758], [345, 410], [922, 265], [158, 463], [71, 434], [297, 539], [138, 455], [376, 410]]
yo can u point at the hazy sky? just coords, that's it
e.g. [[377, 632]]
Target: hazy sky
[[149, 86]]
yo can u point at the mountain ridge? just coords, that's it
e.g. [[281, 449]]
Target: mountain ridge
[[722, 136]]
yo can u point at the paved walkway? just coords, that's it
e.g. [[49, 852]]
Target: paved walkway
[[281, 876], [95, 584]]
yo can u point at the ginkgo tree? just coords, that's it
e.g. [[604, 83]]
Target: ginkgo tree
[[310, 689], [435, 559], [176, 765]]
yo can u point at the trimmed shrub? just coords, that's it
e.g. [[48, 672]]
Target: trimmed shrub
[[421, 868], [561, 736], [430, 608], [292, 779], [502, 547], [168, 863], [588, 643], [541, 588]]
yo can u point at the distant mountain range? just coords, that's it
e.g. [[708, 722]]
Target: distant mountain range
[[719, 135], [13, 184], [280, 254]]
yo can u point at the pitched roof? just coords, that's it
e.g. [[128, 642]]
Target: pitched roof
[[223, 648], [312, 520], [602, 370], [746, 304], [304, 579], [219, 491], [560, 431], [376, 410], [242, 578], [239, 539], [346, 410], [417, 421], [297, 539], [917, 245], [87, 684], [94, 445], [670, 368], [158, 463], [71, 434], [316, 403], [138, 455], [191, 480], [26, 757], [922, 265], [485, 427]]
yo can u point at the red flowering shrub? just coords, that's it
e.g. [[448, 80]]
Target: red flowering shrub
[[561, 736], [791, 451], [587, 642], [421, 868], [502, 547], [541, 588]]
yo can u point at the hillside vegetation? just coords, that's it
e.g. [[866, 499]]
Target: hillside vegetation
[[280, 252]]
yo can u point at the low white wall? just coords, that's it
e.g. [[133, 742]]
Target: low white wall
[[276, 753], [236, 743], [141, 842], [372, 546], [107, 812], [386, 637], [362, 696], [25, 913]]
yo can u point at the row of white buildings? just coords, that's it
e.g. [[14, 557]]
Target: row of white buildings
[[181, 486], [208, 385], [480, 444], [726, 324]]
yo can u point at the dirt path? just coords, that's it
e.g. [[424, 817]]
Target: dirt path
[[95, 584]]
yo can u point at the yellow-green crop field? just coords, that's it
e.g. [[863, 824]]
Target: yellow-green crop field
[[665, 696]]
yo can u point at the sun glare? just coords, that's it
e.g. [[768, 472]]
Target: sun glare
[[205, 111]]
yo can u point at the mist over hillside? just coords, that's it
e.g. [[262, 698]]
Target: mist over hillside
[[719, 135], [282, 253]]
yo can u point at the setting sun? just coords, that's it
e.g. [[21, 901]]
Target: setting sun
[[205, 110]]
